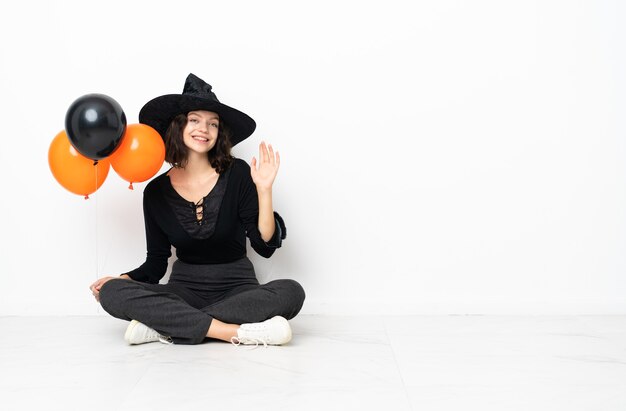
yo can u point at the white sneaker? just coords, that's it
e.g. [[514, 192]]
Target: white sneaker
[[275, 331], [138, 333]]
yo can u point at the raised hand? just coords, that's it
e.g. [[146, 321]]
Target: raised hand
[[268, 164]]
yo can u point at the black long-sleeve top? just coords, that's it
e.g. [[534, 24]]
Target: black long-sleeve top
[[230, 213]]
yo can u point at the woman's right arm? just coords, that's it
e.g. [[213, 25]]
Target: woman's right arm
[[159, 248], [158, 252]]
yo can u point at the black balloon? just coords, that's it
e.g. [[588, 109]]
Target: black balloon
[[95, 125]]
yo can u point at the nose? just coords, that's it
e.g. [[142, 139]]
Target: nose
[[202, 126]]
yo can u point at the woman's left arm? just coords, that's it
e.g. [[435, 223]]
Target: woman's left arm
[[263, 177]]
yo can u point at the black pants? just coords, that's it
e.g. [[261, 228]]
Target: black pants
[[184, 307]]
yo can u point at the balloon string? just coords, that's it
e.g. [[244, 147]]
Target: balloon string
[[96, 242]]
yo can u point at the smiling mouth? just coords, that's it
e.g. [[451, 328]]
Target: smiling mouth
[[201, 139]]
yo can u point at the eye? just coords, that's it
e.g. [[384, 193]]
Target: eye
[[215, 125], [193, 120]]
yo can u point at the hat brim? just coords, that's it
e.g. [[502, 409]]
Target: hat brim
[[159, 112]]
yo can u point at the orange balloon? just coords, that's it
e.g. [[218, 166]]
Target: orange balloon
[[140, 155], [74, 171]]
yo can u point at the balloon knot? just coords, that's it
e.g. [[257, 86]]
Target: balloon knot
[[130, 187], [87, 197], [95, 162]]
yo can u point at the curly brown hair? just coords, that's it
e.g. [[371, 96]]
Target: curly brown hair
[[176, 151]]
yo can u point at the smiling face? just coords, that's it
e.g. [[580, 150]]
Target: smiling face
[[200, 132]]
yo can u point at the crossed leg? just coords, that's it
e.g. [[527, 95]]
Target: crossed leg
[[173, 310]]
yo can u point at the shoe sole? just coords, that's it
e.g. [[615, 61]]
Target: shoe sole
[[287, 338], [129, 331]]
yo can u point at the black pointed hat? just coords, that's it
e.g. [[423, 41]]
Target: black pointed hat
[[159, 112]]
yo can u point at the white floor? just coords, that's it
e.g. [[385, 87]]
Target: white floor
[[334, 363]]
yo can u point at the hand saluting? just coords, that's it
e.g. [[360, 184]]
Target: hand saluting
[[264, 175]]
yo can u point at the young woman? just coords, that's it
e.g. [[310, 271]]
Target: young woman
[[205, 206]]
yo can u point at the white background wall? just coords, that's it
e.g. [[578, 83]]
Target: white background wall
[[459, 157]]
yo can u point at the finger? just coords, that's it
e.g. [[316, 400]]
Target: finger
[[98, 284], [277, 160], [271, 154], [253, 164], [263, 152]]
